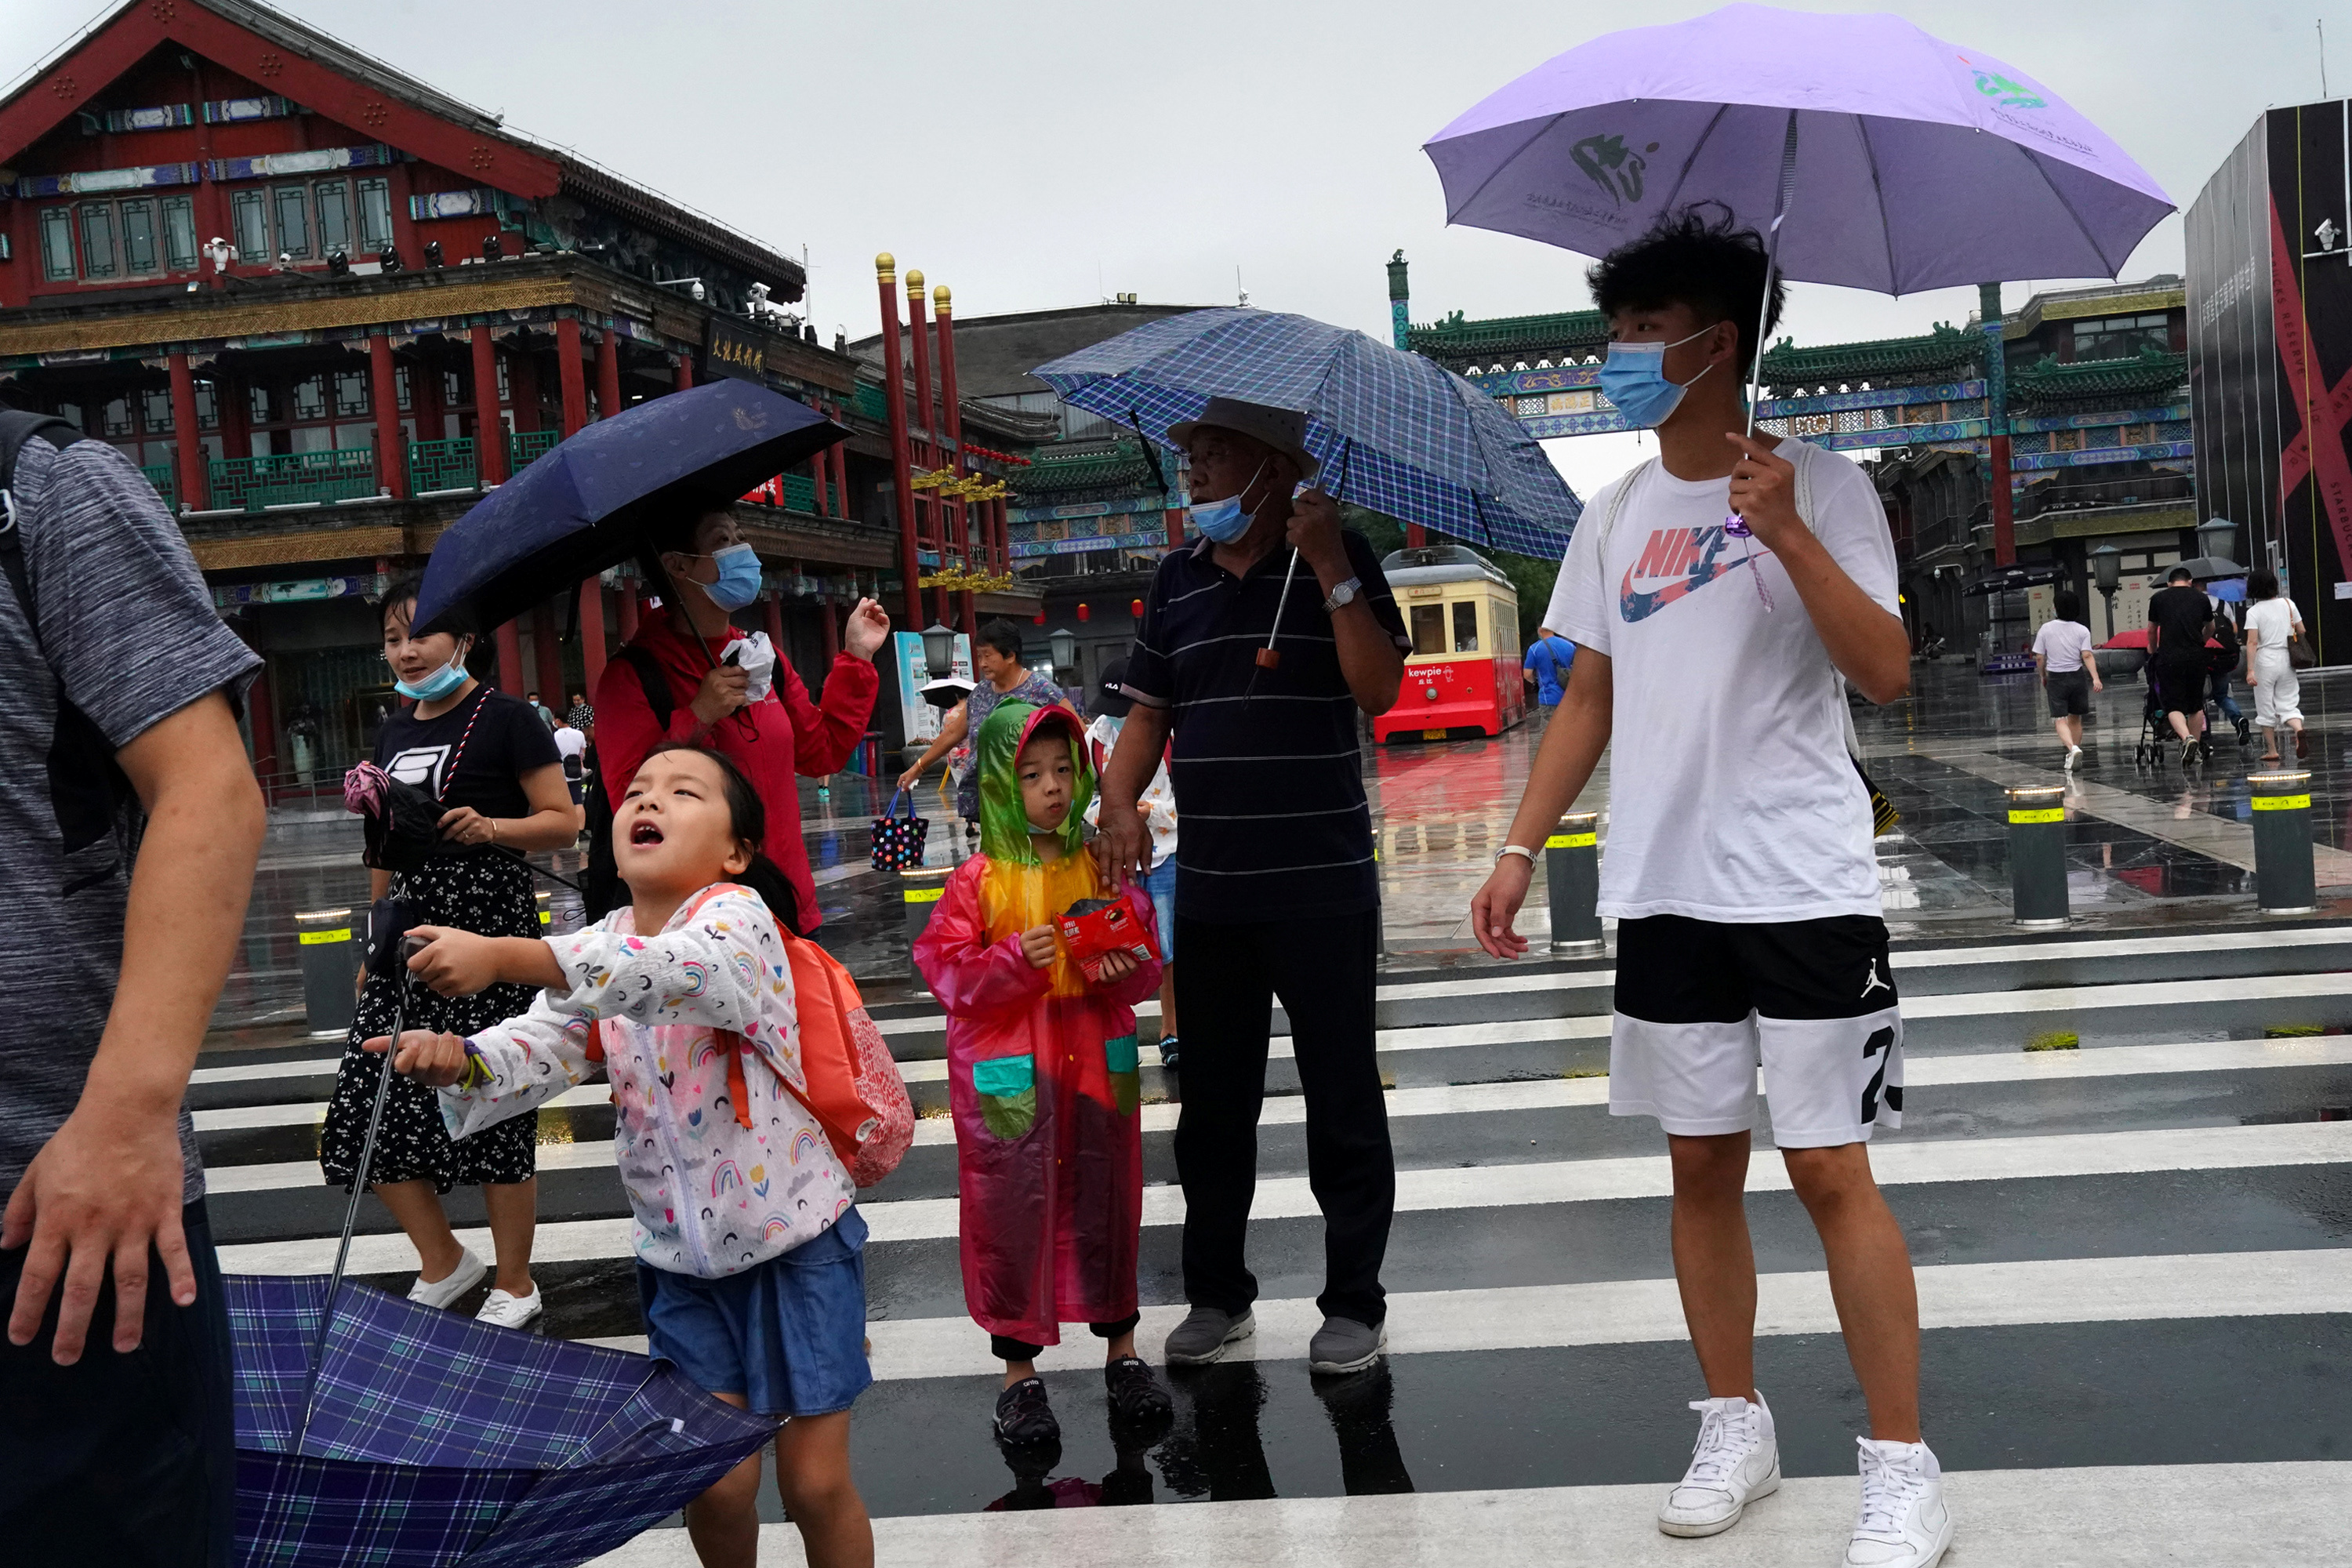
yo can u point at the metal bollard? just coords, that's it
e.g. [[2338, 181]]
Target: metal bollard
[[331, 967], [2284, 882], [919, 888], [1573, 872], [2037, 856]]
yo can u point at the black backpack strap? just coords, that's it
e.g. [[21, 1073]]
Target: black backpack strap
[[657, 684], [16, 428]]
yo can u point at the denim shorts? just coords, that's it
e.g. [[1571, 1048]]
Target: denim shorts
[[789, 1335], [1161, 886]]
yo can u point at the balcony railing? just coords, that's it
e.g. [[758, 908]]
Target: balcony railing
[[799, 492], [165, 480], [2136, 490], [522, 446], [254, 483], [441, 465]]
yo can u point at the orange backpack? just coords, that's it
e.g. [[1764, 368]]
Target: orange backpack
[[854, 1087]]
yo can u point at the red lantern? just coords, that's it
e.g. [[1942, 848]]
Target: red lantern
[[1082, 611], [1040, 620], [1135, 608]]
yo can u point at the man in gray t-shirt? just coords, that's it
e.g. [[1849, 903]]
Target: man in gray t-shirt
[[110, 979]]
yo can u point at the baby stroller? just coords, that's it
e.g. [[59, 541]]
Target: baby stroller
[[2155, 729]]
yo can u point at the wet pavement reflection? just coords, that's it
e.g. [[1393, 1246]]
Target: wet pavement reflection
[[2138, 835]]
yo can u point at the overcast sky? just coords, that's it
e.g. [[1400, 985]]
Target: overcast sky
[[1033, 153]]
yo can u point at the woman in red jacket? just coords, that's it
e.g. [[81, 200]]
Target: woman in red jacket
[[773, 739]]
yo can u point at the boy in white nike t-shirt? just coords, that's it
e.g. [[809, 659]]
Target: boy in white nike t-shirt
[[1713, 650]]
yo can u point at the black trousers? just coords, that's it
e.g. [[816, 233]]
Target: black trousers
[[1323, 971], [122, 1459], [1004, 1349]]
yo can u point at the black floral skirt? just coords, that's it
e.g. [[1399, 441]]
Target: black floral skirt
[[489, 894]]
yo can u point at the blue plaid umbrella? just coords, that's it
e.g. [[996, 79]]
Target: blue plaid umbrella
[[1398, 433], [437, 1440]]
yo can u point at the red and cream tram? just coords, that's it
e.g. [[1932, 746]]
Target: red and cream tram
[[1461, 678]]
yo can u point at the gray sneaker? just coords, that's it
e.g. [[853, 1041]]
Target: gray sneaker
[[1343, 1344], [1204, 1336]]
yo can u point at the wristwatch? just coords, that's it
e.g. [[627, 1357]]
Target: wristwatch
[[1343, 595]]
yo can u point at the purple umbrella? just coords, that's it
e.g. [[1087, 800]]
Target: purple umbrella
[[1909, 162]]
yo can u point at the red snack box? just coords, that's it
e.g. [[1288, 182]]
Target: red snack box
[[1092, 927]]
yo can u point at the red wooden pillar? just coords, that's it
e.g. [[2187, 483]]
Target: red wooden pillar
[[684, 366], [2004, 510], [831, 630], [390, 450], [1175, 527], [918, 336], [546, 621], [573, 374], [628, 611], [510, 675], [774, 605], [608, 374], [894, 398], [591, 632], [490, 430], [1415, 536], [951, 427], [187, 446]]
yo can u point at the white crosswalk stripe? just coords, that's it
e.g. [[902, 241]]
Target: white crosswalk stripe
[[2164, 1199]]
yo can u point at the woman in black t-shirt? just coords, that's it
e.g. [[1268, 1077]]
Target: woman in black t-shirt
[[496, 771]]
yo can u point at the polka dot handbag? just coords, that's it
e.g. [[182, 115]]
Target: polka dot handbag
[[898, 840]]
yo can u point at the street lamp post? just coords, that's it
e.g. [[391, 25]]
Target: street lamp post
[[2218, 536], [2108, 573], [939, 651], [1064, 646]]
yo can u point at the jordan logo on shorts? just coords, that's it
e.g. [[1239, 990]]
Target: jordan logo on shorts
[[1871, 982]]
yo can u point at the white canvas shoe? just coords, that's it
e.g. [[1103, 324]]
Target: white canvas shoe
[[1735, 1461], [445, 1292], [1904, 1522], [510, 1311]]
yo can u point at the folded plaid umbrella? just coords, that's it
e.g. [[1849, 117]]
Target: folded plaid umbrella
[[434, 1439], [1394, 432]]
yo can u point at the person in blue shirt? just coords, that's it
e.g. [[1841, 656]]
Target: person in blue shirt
[[1546, 663]]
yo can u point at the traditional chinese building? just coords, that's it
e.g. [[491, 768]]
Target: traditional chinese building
[[2082, 412], [324, 306]]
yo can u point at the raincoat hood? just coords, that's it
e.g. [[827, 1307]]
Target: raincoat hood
[[1004, 835]]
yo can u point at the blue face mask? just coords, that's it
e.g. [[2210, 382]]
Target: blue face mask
[[739, 577], [1634, 377], [1225, 520], [437, 685]]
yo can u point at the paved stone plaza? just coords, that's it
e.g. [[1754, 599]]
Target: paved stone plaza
[[2109, 1235]]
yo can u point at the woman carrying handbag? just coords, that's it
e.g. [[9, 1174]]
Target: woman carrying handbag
[[2276, 646]]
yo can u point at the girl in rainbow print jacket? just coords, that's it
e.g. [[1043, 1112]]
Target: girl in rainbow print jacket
[[725, 1167]]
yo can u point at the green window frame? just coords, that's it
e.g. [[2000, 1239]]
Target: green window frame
[[292, 210], [141, 253], [180, 234], [249, 224], [58, 245], [334, 204], [375, 215], [98, 252]]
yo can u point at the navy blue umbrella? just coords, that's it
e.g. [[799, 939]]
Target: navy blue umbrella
[[589, 501]]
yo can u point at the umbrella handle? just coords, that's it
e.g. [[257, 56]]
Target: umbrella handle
[[359, 1190]]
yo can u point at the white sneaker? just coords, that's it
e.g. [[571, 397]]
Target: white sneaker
[[444, 1293], [510, 1311], [1735, 1461], [2074, 756], [1904, 1522]]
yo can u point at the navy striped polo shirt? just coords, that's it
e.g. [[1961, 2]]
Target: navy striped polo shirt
[[1272, 822]]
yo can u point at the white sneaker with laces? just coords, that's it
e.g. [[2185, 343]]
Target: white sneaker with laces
[[1735, 1461], [1904, 1522], [2074, 756], [445, 1292], [508, 1311]]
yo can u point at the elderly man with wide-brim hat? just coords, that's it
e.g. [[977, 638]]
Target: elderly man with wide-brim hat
[[1277, 891]]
